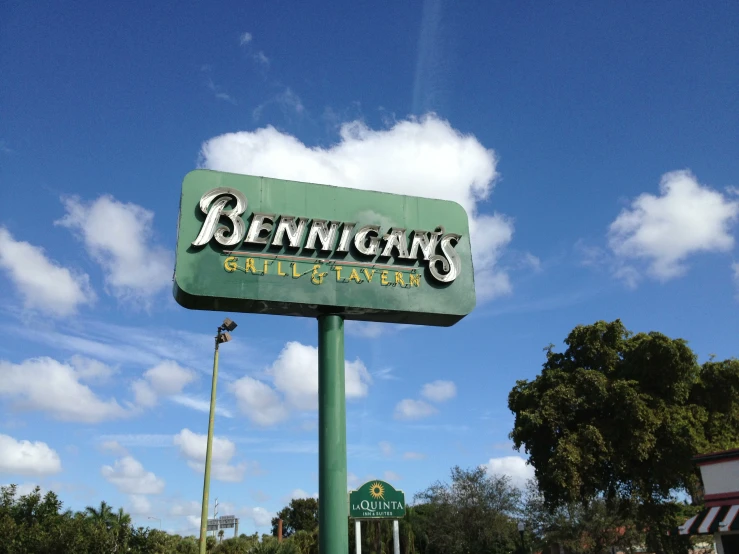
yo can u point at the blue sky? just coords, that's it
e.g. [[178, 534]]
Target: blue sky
[[594, 145]]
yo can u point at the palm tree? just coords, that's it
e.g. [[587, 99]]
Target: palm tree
[[220, 535], [102, 515], [120, 523], [120, 520]]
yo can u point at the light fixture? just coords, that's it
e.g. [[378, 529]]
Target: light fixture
[[229, 325], [521, 526], [224, 337]]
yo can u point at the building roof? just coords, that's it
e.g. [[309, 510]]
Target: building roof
[[715, 456]]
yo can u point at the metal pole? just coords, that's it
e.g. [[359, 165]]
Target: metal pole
[[396, 537], [332, 506], [208, 448], [358, 536]]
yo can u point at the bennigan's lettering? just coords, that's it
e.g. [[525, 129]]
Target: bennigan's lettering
[[326, 236]]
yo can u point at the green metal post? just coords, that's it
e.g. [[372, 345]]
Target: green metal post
[[208, 449], [332, 492]]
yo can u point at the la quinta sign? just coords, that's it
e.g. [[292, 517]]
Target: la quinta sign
[[255, 244], [376, 500]]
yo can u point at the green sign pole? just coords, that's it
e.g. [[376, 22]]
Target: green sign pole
[[332, 508]]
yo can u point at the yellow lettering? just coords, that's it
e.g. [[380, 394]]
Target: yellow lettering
[[354, 276], [337, 269], [399, 279], [266, 265], [230, 264], [383, 278], [296, 275], [369, 275], [317, 278], [279, 270], [415, 279], [250, 266]]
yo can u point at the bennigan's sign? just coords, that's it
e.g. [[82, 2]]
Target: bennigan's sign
[[376, 500], [261, 245]]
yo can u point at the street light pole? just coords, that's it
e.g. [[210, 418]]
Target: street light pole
[[221, 336]]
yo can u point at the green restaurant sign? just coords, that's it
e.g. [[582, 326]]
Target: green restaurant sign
[[262, 245], [376, 500]]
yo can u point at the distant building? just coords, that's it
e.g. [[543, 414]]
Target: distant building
[[720, 518]]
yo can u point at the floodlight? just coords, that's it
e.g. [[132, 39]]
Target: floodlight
[[224, 337], [229, 325]]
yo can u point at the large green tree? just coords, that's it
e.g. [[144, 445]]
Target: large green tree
[[474, 512], [590, 527], [300, 515], [620, 415]]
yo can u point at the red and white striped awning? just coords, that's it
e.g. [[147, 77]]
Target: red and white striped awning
[[718, 519]]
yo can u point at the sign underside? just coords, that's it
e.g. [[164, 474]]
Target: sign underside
[[261, 245]]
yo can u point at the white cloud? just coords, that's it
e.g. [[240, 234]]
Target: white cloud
[[289, 102], [165, 379], [130, 477], [391, 476], [51, 386], [114, 447], [24, 489], [258, 401], [89, 369], [685, 219], [295, 377], [143, 393], [193, 446], [185, 508], [439, 391], [386, 448], [139, 504], [511, 466], [199, 404], [139, 440], [24, 457], [295, 374], [43, 284], [245, 38], [413, 409], [118, 237], [193, 521], [365, 329], [298, 493], [260, 516], [414, 456], [352, 481], [423, 157]]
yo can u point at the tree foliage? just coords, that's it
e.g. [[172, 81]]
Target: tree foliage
[[620, 415], [590, 527], [300, 515], [473, 513]]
